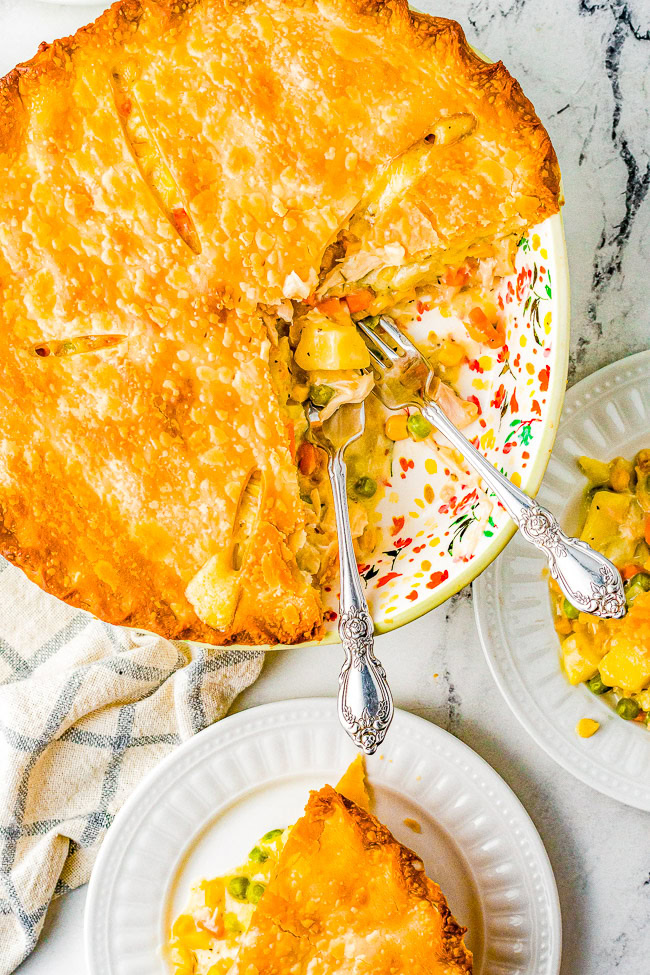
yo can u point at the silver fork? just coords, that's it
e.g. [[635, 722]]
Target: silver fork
[[365, 703], [589, 581]]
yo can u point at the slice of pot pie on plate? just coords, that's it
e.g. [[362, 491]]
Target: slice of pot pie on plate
[[336, 893], [198, 200], [348, 898]]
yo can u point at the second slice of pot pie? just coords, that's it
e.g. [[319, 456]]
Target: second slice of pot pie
[[180, 181]]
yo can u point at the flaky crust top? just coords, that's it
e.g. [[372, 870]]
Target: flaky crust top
[[273, 116], [169, 172]]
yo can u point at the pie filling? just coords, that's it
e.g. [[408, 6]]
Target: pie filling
[[205, 939], [321, 355], [613, 656]]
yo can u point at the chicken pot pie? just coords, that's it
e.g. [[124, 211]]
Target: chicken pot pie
[[198, 199], [336, 893]]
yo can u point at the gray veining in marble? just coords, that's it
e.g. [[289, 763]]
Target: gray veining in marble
[[585, 64]]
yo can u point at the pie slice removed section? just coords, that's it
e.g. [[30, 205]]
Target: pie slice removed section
[[347, 898]]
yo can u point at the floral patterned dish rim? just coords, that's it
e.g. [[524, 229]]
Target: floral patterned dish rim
[[555, 303]]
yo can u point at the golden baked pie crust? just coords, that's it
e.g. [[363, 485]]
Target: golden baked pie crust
[[121, 469], [348, 898]]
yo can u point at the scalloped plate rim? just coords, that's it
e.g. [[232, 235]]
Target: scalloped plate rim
[[486, 622]]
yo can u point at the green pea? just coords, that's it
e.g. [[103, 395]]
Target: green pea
[[231, 924], [258, 855], [366, 487], [635, 586], [272, 835], [641, 579], [255, 893], [631, 592], [321, 395], [372, 321], [597, 686], [418, 426], [627, 708], [570, 610], [237, 887]]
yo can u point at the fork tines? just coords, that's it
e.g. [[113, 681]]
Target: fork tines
[[381, 354]]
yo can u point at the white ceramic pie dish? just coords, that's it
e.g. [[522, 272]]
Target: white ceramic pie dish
[[605, 415], [434, 543]]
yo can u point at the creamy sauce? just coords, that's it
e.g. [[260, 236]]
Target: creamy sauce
[[219, 912]]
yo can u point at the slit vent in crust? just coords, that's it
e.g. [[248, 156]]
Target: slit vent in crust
[[151, 161]]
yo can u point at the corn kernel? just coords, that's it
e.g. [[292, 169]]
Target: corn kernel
[[221, 967], [299, 393], [182, 959], [587, 727], [450, 353], [396, 428], [644, 700], [213, 891], [187, 933]]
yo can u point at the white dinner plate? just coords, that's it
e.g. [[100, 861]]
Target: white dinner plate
[[200, 811], [605, 415]]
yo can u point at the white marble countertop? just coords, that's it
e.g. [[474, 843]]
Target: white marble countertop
[[586, 66]]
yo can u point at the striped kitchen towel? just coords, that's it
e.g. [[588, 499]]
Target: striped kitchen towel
[[86, 710]]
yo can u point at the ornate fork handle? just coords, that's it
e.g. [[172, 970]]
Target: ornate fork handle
[[589, 581], [365, 700]]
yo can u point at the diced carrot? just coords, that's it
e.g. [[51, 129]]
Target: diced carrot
[[359, 300], [630, 570], [182, 221], [563, 627], [395, 426], [481, 329], [478, 317], [307, 458], [216, 929], [647, 529], [292, 437], [330, 307], [456, 277]]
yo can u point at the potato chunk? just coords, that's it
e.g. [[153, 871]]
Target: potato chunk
[[627, 665], [329, 345], [580, 658]]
